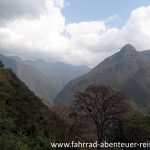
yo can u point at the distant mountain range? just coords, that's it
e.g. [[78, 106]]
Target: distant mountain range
[[127, 71], [45, 79]]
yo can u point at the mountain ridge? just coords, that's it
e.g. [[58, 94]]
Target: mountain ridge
[[127, 71], [44, 79]]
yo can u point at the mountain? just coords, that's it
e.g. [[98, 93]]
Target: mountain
[[45, 79], [59, 72], [146, 53], [35, 79], [20, 104], [127, 71], [26, 123]]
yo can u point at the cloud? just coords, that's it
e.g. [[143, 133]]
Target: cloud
[[48, 36], [40, 34], [112, 18], [12, 9], [136, 30], [59, 3], [94, 41]]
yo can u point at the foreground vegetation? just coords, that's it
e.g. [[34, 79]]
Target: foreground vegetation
[[98, 113]]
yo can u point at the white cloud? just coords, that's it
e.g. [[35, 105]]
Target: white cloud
[[136, 30], [78, 43], [99, 40], [85, 34], [12, 9], [112, 18], [59, 3], [39, 34]]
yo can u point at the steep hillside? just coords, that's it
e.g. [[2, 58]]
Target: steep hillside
[[19, 103], [45, 79], [35, 79], [127, 71], [25, 122]]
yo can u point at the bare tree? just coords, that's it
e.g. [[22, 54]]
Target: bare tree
[[103, 105]]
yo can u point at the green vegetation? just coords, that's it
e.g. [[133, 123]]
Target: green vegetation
[[13, 138], [27, 124], [133, 131]]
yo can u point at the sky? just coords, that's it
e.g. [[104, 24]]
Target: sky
[[89, 10], [78, 32]]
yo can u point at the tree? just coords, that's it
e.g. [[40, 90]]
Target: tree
[[103, 105]]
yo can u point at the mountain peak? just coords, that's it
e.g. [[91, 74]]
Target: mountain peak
[[128, 51], [128, 48]]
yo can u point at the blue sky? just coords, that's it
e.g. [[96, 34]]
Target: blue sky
[[89, 10]]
